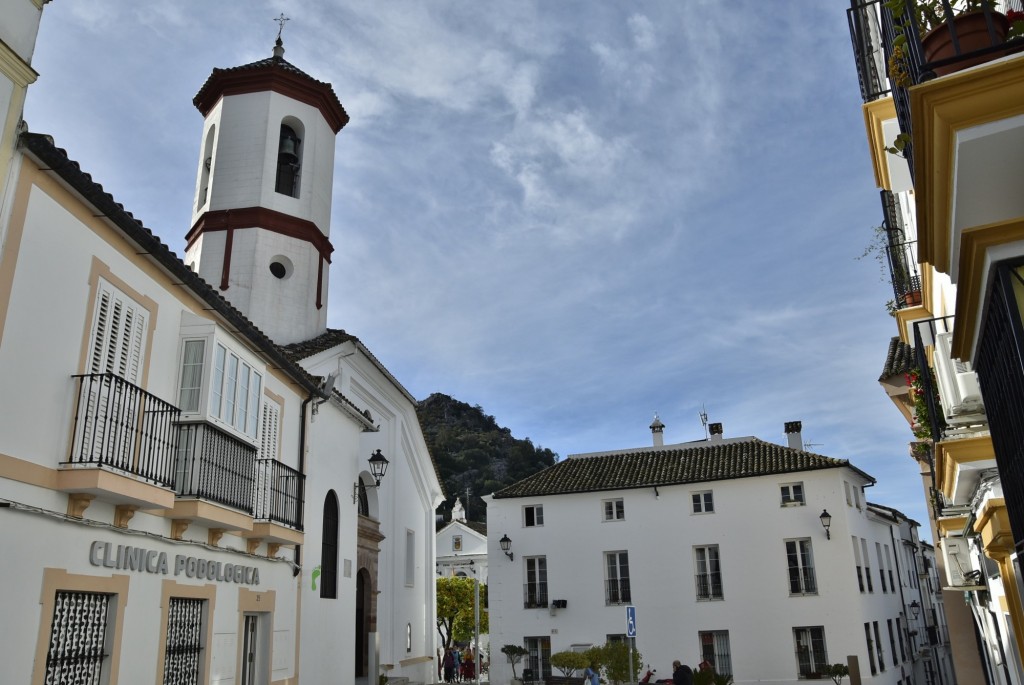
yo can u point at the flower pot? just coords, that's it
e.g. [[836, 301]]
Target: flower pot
[[972, 33], [912, 299]]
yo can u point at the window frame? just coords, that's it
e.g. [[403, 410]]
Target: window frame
[[533, 516], [615, 562], [537, 586], [702, 502], [792, 494], [720, 662], [803, 555], [816, 661], [613, 509], [711, 560]]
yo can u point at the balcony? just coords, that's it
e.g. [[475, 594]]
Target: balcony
[[901, 255], [216, 474], [617, 591], [535, 595], [123, 445], [277, 508], [910, 52]]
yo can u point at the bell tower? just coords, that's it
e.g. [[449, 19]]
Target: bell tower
[[262, 212]]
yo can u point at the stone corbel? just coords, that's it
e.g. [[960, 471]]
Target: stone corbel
[[123, 513], [273, 549], [178, 528], [214, 536], [252, 544], [78, 502]]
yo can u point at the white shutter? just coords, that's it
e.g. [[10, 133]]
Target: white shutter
[[271, 419], [116, 346]]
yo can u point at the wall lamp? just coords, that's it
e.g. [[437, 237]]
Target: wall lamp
[[378, 467], [506, 545], [915, 609], [826, 522]]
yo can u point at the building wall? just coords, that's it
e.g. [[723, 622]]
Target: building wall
[[750, 527]]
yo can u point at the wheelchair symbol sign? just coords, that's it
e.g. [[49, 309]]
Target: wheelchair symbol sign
[[630, 621]]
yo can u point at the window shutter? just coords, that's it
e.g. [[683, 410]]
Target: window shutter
[[118, 335], [271, 419]]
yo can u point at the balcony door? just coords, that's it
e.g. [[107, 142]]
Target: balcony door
[[255, 646]]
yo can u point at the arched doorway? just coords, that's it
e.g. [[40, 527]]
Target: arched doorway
[[363, 604]]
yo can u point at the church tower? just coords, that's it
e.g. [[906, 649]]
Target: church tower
[[262, 212]]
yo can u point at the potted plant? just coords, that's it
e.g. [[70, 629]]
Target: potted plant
[[970, 20]]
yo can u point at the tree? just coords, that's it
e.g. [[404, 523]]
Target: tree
[[613, 660], [515, 654], [837, 672], [569, 662], [455, 621]]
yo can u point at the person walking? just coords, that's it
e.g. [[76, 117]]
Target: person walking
[[590, 675], [449, 665]]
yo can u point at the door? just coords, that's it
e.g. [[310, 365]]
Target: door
[[254, 649]]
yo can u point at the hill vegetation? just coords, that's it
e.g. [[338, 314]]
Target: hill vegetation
[[474, 453]]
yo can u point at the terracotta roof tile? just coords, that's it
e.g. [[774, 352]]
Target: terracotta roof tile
[[672, 465], [899, 359]]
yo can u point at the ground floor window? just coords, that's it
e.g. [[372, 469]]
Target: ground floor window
[[79, 638], [811, 657], [183, 655], [714, 651]]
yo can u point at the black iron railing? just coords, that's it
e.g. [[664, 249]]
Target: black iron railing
[[215, 466], [709, 585], [1000, 367], [120, 425], [802, 581], [868, 48], [279, 493], [535, 595], [617, 591], [901, 34], [901, 254]]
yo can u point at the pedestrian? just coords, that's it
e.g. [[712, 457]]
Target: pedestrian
[[449, 665], [590, 675], [681, 673]]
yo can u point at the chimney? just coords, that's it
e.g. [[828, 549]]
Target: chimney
[[657, 429], [715, 429], [796, 441]]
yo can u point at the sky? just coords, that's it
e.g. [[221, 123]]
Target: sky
[[574, 214]]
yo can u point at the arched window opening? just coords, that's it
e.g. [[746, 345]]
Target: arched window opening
[[204, 172], [289, 161], [329, 549], [364, 500]]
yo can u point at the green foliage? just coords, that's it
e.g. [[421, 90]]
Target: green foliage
[[922, 425], [455, 620], [569, 662], [711, 678], [515, 654], [837, 672], [612, 659], [472, 451]]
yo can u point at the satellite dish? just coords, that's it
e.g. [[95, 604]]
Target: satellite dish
[[327, 387]]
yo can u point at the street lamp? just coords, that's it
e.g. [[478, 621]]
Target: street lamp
[[378, 467], [915, 609], [826, 521], [506, 545]]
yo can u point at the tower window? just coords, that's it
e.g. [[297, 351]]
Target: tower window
[[289, 162]]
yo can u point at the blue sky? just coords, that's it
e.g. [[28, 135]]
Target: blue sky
[[574, 214]]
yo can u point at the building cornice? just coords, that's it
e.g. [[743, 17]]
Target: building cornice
[[15, 68]]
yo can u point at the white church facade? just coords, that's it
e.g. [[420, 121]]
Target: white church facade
[[762, 561], [190, 483]]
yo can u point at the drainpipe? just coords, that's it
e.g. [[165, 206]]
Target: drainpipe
[[302, 470]]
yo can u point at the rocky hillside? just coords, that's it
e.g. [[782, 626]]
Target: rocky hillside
[[472, 451]]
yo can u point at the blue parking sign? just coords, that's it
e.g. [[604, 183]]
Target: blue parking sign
[[630, 621]]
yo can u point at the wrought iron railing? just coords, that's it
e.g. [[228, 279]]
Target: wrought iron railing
[[279, 493], [915, 66], [1000, 367], [802, 581], [535, 595], [120, 425], [617, 591], [901, 255], [215, 466], [709, 585], [863, 18]]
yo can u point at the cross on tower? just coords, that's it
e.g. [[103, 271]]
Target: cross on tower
[[281, 20]]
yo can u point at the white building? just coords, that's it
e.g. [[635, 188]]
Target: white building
[[462, 546], [183, 496], [720, 546]]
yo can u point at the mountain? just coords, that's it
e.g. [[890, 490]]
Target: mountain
[[473, 452]]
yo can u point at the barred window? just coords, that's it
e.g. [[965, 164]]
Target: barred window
[[78, 639], [183, 652]]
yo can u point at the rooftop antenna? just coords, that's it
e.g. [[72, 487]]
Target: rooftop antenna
[[813, 444], [703, 414]]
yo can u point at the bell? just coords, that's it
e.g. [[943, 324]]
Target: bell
[[288, 153]]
